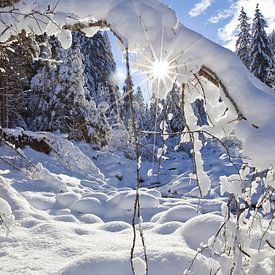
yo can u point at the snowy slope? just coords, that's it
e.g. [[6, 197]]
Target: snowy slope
[[68, 221]]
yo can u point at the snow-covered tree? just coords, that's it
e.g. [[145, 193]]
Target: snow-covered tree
[[17, 70], [271, 38], [140, 109], [60, 102], [244, 38], [99, 70], [261, 53], [174, 109], [271, 77]]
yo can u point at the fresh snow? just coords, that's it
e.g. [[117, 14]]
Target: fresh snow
[[72, 212], [87, 228]]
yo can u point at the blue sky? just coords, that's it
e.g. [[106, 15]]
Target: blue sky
[[200, 22], [215, 19]]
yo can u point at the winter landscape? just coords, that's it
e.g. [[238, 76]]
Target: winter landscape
[[160, 162]]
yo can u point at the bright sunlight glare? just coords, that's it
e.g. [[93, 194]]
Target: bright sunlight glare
[[160, 69]]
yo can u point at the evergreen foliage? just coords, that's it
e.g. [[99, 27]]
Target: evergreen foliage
[[261, 53], [244, 39]]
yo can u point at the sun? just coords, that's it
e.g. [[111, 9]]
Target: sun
[[160, 69]]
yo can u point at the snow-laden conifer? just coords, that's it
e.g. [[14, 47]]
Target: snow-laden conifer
[[261, 53], [244, 38]]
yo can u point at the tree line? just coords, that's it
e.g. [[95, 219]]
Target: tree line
[[255, 48]]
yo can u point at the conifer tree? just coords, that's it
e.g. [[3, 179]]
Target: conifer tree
[[271, 38], [140, 109], [244, 38], [174, 108], [60, 102], [261, 53], [271, 78], [99, 70]]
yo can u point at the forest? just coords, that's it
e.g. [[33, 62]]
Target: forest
[[100, 175]]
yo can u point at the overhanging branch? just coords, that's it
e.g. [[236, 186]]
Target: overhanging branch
[[214, 79]]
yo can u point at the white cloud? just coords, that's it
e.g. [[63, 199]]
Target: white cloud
[[200, 7], [222, 14], [227, 34]]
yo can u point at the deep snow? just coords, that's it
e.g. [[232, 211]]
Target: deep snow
[[70, 220]]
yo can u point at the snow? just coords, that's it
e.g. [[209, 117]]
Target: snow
[[73, 211], [180, 213], [87, 229], [5, 209], [191, 231], [65, 38], [65, 199], [146, 201], [87, 205]]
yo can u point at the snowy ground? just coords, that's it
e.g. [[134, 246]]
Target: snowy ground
[[73, 216]]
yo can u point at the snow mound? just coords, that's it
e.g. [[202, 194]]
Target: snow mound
[[87, 206], [115, 226], [154, 193], [98, 195], [168, 228], [102, 264], [146, 201], [90, 218], [65, 199], [66, 218], [263, 263], [39, 201], [50, 180], [180, 213], [199, 229], [91, 184]]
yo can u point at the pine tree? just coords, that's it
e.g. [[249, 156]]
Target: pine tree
[[174, 108], [244, 38], [261, 53], [99, 71], [60, 102], [16, 73], [271, 38], [140, 109], [271, 77]]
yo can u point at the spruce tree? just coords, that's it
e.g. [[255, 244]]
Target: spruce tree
[[99, 71], [174, 108], [60, 98], [244, 38], [271, 38], [261, 53], [271, 78], [140, 109]]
